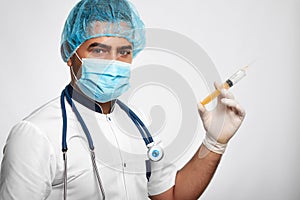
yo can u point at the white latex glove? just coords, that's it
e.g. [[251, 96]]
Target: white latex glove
[[222, 122]]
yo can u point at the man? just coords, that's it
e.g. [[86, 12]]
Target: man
[[99, 41]]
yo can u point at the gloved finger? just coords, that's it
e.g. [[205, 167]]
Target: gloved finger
[[201, 109], [233, 104], [204, 114], [218, 86], [226, 94]]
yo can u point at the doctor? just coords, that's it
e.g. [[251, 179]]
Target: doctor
[[99, 41]]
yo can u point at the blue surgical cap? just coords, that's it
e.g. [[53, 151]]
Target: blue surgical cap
[[96, 18]]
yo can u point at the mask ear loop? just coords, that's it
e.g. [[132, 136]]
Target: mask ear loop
[[73, 73], [72, 70], [78, 56]]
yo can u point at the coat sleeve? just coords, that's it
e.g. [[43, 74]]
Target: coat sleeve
[[28, 165]]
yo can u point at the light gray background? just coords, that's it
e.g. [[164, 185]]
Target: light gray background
[[262, 161]]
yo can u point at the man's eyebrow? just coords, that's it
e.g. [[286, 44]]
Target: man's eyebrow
[[124, 47], [97, 44]]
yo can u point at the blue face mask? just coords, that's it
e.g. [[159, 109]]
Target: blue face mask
[[103, 80]]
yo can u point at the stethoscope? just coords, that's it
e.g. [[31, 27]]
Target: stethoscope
[[155, 151]]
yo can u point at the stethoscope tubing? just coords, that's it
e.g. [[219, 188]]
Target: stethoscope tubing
[[64, 142], [136, 120], [81, 121]]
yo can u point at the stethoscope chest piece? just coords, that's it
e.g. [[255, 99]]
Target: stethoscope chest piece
[[155, 152]]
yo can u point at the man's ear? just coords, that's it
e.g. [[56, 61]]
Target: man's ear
[[69, 62]]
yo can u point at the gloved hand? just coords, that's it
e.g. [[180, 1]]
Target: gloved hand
[[222, 122]]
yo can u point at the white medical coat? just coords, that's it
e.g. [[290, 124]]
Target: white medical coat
[[32, 166]]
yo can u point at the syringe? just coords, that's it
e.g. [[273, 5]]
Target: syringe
[[236, 77]]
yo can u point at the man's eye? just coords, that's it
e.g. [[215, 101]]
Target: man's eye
[[99, 51], [125, 52]]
